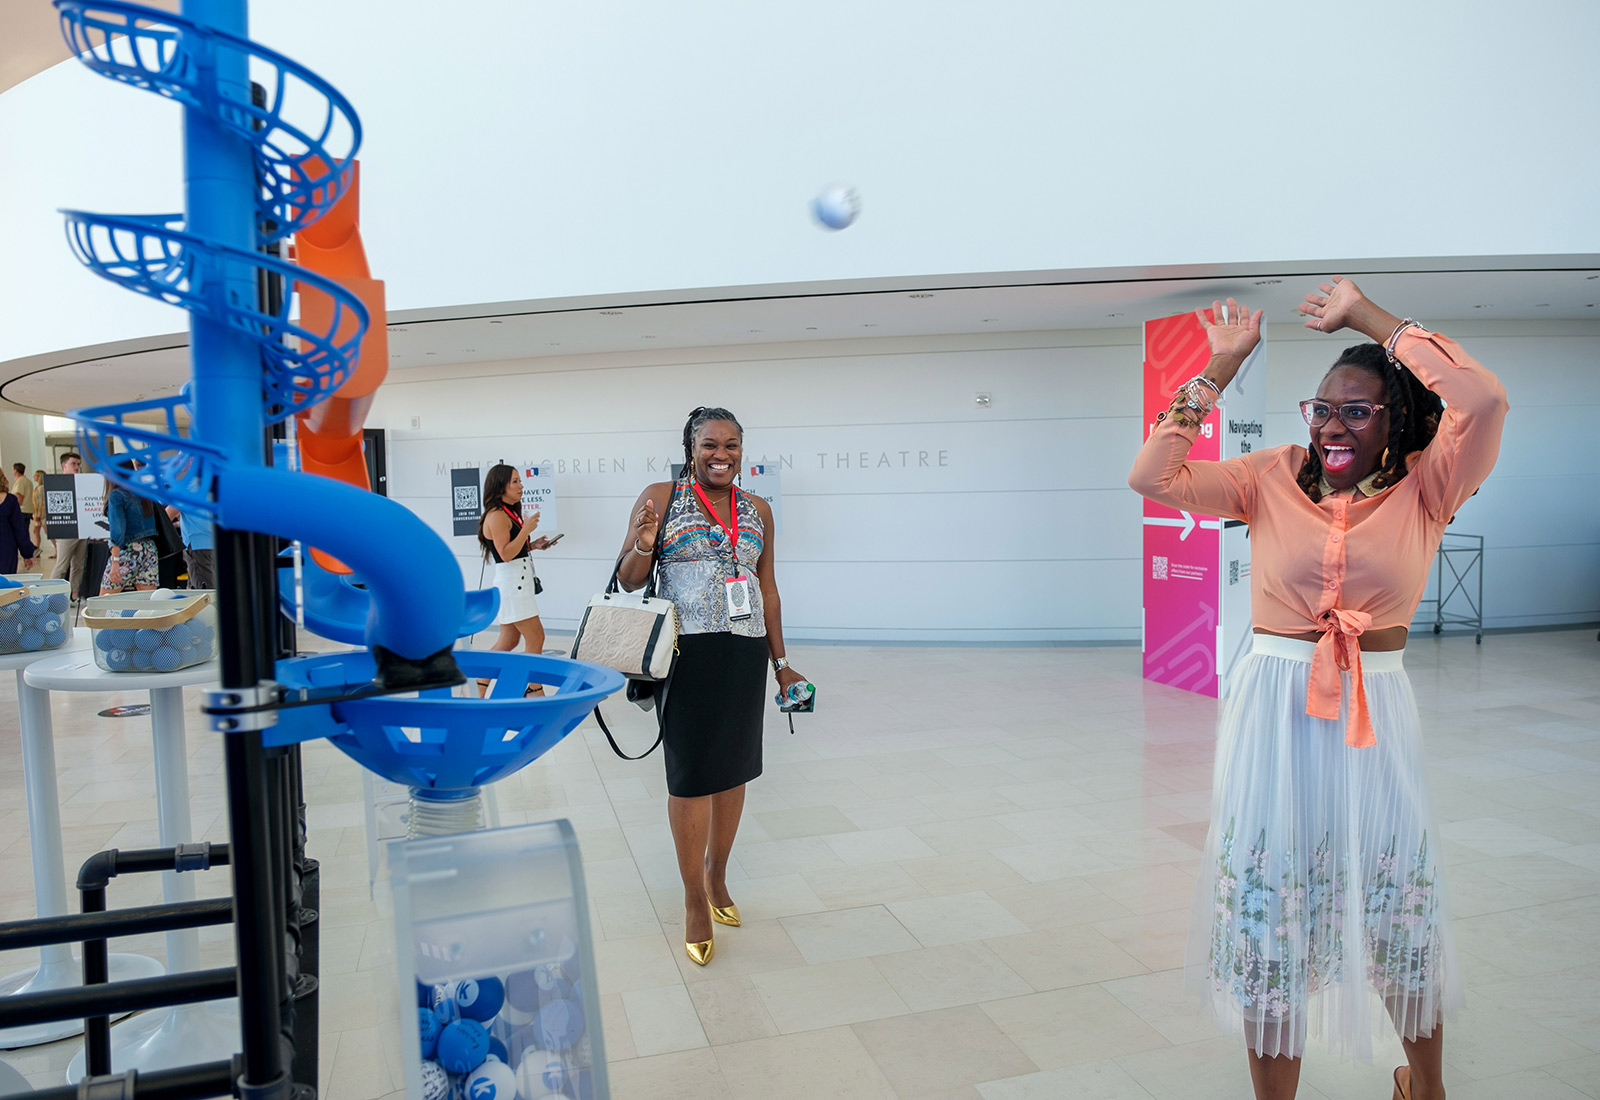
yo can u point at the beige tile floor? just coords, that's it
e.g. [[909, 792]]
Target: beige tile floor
[[967, 875]]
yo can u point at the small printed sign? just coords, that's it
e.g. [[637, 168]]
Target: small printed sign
[[466, 500], [133, 710], [539, 495], [75, 506]]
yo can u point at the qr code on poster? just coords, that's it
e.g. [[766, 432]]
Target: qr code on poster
[[1158, 568], [58, 501], [466, 498]]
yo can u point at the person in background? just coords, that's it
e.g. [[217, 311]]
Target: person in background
[[714, 545], [37, 531], [22, 487], [71, 554], [195, 530], [1320, 882], [134, 559], [14, 540], [506, 540]]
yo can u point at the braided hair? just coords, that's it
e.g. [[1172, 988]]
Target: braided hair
[[697, 420], [1414, 412]]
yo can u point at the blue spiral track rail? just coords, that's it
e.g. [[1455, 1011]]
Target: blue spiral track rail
[[269, 148]]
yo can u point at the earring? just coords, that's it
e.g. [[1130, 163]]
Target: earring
[[1384, 461]]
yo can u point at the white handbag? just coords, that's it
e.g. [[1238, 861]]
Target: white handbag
[[636, 634]]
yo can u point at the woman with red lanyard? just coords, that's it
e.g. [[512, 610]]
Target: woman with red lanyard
[[506, 540], [714, 546], [1320, 884]]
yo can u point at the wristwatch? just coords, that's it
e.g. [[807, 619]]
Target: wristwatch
[[779, 664]]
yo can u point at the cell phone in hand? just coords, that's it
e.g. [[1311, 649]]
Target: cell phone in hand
[[553, 539]]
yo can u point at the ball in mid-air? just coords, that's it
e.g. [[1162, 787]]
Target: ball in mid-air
[[837, 206]]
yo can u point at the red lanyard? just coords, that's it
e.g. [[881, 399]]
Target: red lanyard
[[733, 512], [516, 519]]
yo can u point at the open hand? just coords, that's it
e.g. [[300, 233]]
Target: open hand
[[1232, 330], [1330, 310], [646, 523]]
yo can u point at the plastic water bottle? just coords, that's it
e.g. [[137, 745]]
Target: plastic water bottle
[[795, 696]]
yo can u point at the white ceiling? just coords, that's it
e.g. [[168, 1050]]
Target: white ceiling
[[543, 337]]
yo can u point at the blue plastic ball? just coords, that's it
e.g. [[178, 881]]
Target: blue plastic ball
[[481, 999], [424, 995], [32, 638], [445, 1004], [121, 639], [463, 1046], [50, 624], [10, 632], [180, 636], [166, 659], [497, 1049], [492, 1080], [202, 632], [139, 661], [837, 207], [36, 604], [102, 639], [56, 640], [117, 660], [58, 602], [428, 1029], [147, 639], [7, 611]]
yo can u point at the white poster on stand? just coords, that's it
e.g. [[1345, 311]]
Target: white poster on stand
[[761, 480], [539, 495], [1244, 410]]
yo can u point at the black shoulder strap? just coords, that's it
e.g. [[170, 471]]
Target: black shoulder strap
[[601, 722]]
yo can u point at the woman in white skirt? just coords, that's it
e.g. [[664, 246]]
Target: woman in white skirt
[[1321, 886], [506, 540]]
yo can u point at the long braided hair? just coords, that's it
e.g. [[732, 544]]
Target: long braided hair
[[1414, 412], [698, 419]]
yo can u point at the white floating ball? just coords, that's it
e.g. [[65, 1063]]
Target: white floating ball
[[493, 1080], [838, 206], [164, 594]]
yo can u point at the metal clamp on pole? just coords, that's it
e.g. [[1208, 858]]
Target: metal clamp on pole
[[237, 710], [192, 857], [119, 1086]]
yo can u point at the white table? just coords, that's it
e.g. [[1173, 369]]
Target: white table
[[58, 969], [188, 1033]]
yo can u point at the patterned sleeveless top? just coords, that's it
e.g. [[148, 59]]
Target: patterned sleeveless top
[[695, 561]]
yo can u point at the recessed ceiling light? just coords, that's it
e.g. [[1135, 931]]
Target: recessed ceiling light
[[1542, 305], [647, 337], [870, 324], [1593, 277], [811, 328], [433, 353], [611, 313], [754, 330], [470, 351], [1485, 305], [919, 295], [553, 344], [1268, 282], [990, 320], [497, 322], [1113, 315]]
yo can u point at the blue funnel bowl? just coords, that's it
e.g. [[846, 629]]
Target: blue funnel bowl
[[435, 742]]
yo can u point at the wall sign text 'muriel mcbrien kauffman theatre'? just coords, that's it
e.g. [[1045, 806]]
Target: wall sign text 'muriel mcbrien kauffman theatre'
[[654, 464]]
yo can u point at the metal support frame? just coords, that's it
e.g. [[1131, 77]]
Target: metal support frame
[[1463, 556]]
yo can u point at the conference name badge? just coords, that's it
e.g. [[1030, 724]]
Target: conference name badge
[[737, 591]]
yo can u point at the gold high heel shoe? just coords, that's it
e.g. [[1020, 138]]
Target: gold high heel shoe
[[726, 914], [701, 952]]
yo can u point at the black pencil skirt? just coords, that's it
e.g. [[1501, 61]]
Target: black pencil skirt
[[712, 720]]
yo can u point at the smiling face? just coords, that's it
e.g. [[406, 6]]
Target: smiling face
[[1348, 456], [718, 446]]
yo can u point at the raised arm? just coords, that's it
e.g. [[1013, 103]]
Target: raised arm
[[1465, 448], [1162, 471]]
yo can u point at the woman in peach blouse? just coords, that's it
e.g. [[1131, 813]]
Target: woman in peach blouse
[[1321, 877]]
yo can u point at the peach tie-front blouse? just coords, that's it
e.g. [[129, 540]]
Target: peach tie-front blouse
[[1342, 566]]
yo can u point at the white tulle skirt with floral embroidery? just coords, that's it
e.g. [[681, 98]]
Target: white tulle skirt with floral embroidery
[[1319, 910]]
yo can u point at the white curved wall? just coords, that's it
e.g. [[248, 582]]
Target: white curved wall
[[538, 150], [1012, 523]]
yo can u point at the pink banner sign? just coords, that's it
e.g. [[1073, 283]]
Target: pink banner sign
[[1182, 550]]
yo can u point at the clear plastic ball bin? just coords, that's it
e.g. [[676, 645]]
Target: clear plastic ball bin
[[152, 631], [497, 986], [35, 614]]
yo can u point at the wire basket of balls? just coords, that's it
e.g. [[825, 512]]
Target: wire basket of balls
[[35, 614], [159, 631]]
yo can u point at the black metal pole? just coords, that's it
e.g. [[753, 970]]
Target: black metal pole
[[133, 995], [183, 1083], [79, 927], [96, 972]]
